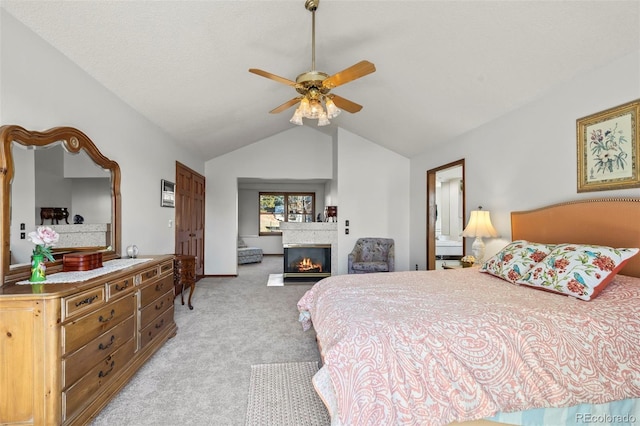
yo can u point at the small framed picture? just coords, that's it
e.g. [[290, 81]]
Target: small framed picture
[[609, 149], [167, 193]]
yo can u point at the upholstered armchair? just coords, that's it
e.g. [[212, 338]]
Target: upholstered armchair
[[372, 255]]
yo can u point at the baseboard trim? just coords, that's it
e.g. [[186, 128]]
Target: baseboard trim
[[220, 276]]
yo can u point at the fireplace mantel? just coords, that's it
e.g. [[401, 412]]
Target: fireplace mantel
[[312, 233]]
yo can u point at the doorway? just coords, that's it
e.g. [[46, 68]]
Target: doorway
[[445, 214]]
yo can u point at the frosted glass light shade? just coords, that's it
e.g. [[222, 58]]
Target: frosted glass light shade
[[297, 117], [322, 119], [332, 110]]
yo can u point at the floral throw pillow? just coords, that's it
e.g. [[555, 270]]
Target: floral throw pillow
[[516, 259], [578, 270]]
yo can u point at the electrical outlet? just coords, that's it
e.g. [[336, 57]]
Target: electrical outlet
[[346, 223], [170, 223], [346, 231], [22, 236]]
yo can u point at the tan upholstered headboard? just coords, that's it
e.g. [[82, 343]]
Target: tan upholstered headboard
[[613, 222]]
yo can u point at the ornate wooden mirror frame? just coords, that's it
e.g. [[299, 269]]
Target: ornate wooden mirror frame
[[73, 141]]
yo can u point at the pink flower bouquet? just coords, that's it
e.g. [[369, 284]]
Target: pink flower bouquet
[[44, 238]]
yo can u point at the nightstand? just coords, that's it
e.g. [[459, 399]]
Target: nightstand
[[184, 275], [452, 266], [456, 265]]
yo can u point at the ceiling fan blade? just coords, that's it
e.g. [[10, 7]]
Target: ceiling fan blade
[[358, 70], [285, 105], [345, 104], [273, 77]]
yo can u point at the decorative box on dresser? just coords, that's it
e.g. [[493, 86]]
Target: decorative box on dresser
[[67, 349]]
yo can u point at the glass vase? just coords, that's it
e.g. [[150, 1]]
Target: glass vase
[[38, 268]]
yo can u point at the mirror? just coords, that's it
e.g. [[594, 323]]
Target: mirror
[[445, 214], [56, 178]]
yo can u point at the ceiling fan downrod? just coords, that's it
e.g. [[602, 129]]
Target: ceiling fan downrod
[[312, 6]]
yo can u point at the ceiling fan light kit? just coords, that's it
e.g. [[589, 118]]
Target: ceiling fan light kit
[[314, 86]]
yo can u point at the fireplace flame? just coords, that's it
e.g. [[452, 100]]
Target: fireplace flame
[[306, 265]]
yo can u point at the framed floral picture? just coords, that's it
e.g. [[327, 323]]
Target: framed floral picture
[[608, 148]]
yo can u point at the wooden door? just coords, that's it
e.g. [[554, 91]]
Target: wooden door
[[197, 221], [190, 200]]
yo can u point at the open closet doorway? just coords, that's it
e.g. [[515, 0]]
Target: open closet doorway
[[445, 214]]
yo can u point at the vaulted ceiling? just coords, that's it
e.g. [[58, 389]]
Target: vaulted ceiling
[[443, 67]]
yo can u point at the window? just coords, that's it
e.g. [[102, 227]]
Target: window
[[276, 207]]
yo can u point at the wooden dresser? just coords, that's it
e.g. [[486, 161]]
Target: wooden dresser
[[67, 349]]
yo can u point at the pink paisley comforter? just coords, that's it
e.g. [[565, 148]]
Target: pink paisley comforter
[[429, 348]]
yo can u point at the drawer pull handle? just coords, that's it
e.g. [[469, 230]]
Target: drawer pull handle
[[103, 319], [159, 286], [126, 285], [106, 373], [160, 324], [102, 346], [86, 301], [160, 307]]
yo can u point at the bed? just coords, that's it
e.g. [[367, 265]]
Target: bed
[[436, 347]]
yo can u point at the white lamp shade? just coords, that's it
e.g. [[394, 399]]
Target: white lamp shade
[[479, 225]]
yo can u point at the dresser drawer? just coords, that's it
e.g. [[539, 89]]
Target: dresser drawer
[[166, 267], [83, 302], [151, 292], [78, 363], [88, 327], [119, 287], [155, 308], [148, 274], [82, 391], [156, 327]]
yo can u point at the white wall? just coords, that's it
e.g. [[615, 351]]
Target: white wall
[[371, 181], [525, 159], [374, 196], [299, 153], [40, 89], [91, 200]]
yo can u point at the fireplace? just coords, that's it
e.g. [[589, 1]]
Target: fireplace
[[307, 261]]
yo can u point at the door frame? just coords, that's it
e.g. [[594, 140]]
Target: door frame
[[432, 210]]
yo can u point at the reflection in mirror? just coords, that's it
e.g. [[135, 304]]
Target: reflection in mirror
[[449, 215], [445, 214], [60, 179], [49, 179]]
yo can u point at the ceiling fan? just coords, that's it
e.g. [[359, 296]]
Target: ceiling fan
[[314, 86]]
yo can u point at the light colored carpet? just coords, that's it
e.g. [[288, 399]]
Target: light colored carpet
[[282, 394], [275, 280], [201, 376]]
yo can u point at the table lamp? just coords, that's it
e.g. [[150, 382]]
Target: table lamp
[[479, 226]]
